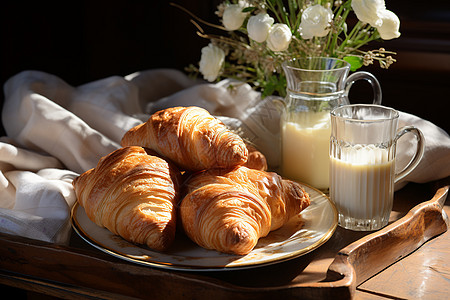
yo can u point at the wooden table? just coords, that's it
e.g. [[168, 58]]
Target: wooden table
[[409, 259]]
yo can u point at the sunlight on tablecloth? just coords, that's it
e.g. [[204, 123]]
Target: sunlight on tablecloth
[[56, 131]]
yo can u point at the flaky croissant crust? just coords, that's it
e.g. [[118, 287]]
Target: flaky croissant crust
[[132, 194], [225, 218], [255, 160], [229, 210], [190, 137]]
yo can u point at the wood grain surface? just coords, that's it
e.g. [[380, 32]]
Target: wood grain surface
[[350, 264]]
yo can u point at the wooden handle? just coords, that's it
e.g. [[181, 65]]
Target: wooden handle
[[58, 270], [371, 254]]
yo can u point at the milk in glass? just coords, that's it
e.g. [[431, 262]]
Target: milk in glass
[[362, 163], [362, 185]]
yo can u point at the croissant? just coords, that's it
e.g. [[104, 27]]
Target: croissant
[[255, 160], [190, 137], [229, 210], [132, 194]]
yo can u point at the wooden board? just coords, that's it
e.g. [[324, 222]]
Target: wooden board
[[79, 270]]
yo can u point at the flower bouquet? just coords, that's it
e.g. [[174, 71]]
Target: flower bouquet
[[259, 35]]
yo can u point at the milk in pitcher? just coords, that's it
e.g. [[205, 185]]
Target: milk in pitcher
[[305, 147]]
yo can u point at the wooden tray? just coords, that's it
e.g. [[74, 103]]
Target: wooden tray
[[79, 270]]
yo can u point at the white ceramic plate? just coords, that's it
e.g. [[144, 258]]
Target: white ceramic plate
[[312, 228]]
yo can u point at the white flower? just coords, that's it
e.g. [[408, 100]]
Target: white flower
[[258, 27], [211, 62], [390, 26], [369, 11], [315, 21], [233, 17], [279, 37]]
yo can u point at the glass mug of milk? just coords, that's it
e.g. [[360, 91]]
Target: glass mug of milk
[[314, 87], [362, 163]]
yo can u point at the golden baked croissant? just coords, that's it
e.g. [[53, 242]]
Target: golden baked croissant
[[229, 210], [132, 194], [256, 160], [190, 137]]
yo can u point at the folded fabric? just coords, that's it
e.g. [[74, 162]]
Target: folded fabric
[[56, 131], [435, 163]]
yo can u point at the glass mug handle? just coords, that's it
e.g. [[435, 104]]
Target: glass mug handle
[[419, 151], [377, 95]]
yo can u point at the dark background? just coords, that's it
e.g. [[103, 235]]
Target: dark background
[[82, 41]]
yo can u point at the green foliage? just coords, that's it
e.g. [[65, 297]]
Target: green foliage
[[257, 65], [355, 62]]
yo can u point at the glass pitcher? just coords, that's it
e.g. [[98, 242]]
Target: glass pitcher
[[315, 86]]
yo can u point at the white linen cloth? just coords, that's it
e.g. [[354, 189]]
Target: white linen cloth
[[56, 131]]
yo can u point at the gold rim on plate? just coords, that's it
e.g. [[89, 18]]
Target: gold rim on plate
[[302, 234]]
